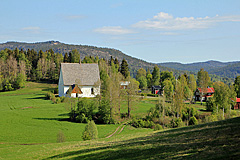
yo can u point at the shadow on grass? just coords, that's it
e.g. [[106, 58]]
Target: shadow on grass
[[39, 96], [54, 119], [220, 141]]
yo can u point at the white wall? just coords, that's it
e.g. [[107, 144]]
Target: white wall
[[60, 85], [85, 89]]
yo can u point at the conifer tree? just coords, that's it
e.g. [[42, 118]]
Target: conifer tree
[[124, 68]]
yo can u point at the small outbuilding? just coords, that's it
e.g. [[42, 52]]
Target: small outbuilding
[[157, 90]]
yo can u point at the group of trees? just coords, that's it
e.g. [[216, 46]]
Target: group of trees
[[17, 66], [112, 74]]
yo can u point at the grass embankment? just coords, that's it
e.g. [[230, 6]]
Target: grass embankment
[[217, 140]]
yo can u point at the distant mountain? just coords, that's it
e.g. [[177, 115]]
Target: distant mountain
[[223, 69], [195, 67], [85, 50], [232, 70]]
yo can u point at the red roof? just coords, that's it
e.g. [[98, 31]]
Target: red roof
[[209, 90]]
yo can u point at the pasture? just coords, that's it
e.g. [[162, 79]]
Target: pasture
[[28, 118]]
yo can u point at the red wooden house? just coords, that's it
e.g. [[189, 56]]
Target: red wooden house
[[205, 94], [237, 105]]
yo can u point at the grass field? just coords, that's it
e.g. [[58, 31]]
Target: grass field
[[217, 140], [29, 125], [28, 118]]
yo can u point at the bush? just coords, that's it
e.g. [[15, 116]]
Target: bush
[[210, 104], [193, 121], [60, 137], [62, 99], [58, 100], [157, 127], [176, 122], [90, 131]]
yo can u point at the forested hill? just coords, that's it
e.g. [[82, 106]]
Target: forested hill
[[223, 69], [85, 50]]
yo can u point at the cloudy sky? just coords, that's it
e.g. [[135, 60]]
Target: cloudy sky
[[153, 30]]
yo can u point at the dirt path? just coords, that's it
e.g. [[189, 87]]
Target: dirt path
[[121, 126]]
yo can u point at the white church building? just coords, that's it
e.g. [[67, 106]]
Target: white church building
[[79, 80]]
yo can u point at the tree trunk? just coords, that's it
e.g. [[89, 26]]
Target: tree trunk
[[129, 109]]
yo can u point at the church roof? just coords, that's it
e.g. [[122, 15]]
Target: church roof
[[87, 74]]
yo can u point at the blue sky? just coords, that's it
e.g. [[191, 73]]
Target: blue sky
[[153, 30]]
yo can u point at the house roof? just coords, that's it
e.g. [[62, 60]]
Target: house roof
[[86, 73], [124, 83], [156, 87], [209, 90]]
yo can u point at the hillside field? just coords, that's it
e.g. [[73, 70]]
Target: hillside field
[[29, 125]]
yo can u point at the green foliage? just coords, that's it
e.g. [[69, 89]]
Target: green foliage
[[90, 131], [85, 110], [155, 76], [237, 86], [193, 121], [157, 127], [20, 81], [176, 122], [105, 112], [124, 69], [168, 89], [210, 104]]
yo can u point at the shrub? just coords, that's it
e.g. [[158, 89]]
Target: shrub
[[176, 122], [60, 137], [193, 121], [210, 104], [90, 131], [157, 127], [58, 100], [62, 99]]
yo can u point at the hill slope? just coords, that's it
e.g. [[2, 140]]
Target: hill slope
[[217, 140], [223, 69], [84, 50]]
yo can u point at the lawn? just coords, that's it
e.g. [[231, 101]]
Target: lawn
[[217, 140], [28, 118]]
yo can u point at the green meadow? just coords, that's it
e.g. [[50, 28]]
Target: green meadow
[[29, 125], [27, 117]]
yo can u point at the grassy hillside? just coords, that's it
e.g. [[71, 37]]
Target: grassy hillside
[[30, 124], [218, 140], [28, 118]]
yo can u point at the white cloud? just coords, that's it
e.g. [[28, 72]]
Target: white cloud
[[113, 30], [74, 17], [168, 22], [31, 28]]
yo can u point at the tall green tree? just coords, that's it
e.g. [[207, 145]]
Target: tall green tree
[[203, 80], [149, 78], [130, 94], [237, 86], [141, 78], [168, 89], [65, 59], [124, 68], [156, 76]]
